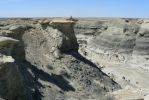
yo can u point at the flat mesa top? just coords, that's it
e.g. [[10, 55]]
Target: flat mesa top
[[61, 21]]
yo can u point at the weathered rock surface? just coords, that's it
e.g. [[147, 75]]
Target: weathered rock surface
[[118, 46], [58, 59], [116, 40], [11, 84], [45, 63]]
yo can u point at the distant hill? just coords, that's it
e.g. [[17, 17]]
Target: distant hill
[[2, 17]]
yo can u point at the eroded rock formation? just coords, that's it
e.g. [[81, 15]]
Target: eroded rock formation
[[59, 59], [119, 47], [46, 65], [10, 79]]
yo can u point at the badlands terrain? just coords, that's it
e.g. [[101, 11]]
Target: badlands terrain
[[74, 59]]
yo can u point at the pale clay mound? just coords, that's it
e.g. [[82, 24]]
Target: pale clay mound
[[84, 59]]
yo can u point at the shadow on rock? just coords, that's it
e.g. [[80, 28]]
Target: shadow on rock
[[31, 74], [78, 56]]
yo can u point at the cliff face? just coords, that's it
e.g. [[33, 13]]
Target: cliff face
[[45, 63]]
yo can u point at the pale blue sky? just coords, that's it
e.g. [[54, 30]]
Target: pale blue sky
[[77, 8]]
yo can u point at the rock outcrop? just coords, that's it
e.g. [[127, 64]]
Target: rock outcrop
[[116, 40], [118, 46], [46, 63], [10, 80], [67, 59]]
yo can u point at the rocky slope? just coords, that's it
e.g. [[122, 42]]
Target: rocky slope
[[84, 59], [119, 47], [40, 61]]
